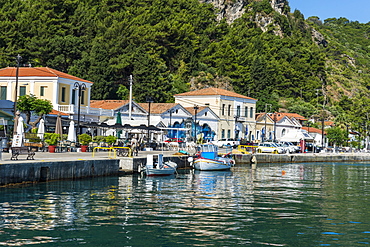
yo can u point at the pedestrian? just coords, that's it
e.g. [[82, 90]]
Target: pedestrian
[[134, 146]]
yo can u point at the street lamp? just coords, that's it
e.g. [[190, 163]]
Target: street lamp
[[170, 125], [80, 87], [275, 127], [149, 100], [265, 132], [18, 59], [195, 122]]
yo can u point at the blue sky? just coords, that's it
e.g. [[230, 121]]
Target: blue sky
[[354, 10]]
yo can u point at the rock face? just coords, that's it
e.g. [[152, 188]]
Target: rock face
[[234, 9], [228, 9]]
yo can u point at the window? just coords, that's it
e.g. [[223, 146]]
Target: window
[[229, 110], [206, 104], [228, 133], [82, 97], [22, 90], [238, 111], [3, 93], [73, 97], [246, 111], [223, 110], [222, 133], [63, 94], [42, 91], [251, 112]]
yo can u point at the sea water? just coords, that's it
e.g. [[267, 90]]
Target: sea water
[[308, 204]]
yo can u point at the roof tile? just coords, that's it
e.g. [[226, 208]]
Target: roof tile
[[213, 91], [37, 72]]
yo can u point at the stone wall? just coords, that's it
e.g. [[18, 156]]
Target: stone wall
[[47, 171]]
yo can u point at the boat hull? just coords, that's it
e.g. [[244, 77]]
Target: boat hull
[[212, 165], [159, 172]]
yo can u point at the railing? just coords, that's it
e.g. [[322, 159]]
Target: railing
[[72, 109]]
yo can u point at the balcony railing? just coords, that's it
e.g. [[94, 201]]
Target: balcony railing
[[85, 110], [241, 119]]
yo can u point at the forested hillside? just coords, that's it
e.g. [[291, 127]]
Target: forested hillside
[[172, 46]]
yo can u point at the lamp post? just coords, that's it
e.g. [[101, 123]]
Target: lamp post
[[347, 134], [170, 125], [18, 59], [80, 87], [265, 132], [149, 100], [195, 122], [275, 127]]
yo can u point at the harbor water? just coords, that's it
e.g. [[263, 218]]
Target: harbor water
[[306, 204]]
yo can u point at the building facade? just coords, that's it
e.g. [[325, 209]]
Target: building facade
[[236, 112]]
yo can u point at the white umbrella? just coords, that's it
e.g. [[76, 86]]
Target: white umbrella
[[41, 129], [71, 132], [20, 128]]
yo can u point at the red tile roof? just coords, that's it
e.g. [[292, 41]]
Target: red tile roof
[[313, 130], [293, 115], [108, 104], [55, 112], [192, 110], [213, 91], [37, 72], [157, 108]]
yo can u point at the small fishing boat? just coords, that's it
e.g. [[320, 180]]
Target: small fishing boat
[[208, 159], [159, 168]]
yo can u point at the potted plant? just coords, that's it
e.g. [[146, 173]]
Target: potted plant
[[52, 140], [110, 139], [84, 140]]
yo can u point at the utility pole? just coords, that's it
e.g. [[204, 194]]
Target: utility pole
[[149, 100], [130, 102], [195, 122], [265, 132], [18, 59]]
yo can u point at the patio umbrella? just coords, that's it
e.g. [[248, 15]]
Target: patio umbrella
[[58, 126], [20, 126], [17, 142], [118, 124], [16, 122], [41, 129], [71, 132]]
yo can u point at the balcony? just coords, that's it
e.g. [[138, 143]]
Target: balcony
[[241, 119], [85, 110]]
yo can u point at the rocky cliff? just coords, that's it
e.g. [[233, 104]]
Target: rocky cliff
[[234, 9]]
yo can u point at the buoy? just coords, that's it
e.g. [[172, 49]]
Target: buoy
[[283, 172]]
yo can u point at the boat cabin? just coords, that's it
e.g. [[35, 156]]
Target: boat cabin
[[208, 151]]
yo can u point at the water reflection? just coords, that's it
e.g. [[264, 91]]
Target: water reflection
[[292, 204]]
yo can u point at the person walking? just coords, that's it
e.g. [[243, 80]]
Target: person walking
[[134, 146]]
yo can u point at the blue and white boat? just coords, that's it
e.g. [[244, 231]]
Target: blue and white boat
[[159, 168], [208, 159]]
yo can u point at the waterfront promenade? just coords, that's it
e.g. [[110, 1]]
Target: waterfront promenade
[[76, 165]]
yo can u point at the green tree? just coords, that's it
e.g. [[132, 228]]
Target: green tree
[[336, 136], [30, 104]]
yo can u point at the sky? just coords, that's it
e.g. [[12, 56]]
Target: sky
[[353, 10]]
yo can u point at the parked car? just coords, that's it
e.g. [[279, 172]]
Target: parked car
[[226, 142], [267, 147], [290, 147]]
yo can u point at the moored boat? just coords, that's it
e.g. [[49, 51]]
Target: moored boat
[[159, 168], [209, 160]]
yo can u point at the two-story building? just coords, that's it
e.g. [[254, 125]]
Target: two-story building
[[236, 112], [63, 90]]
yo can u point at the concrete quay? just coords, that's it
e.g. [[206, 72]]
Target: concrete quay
[[76, 165]]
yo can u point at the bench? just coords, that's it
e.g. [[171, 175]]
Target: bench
[[20, 151]]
